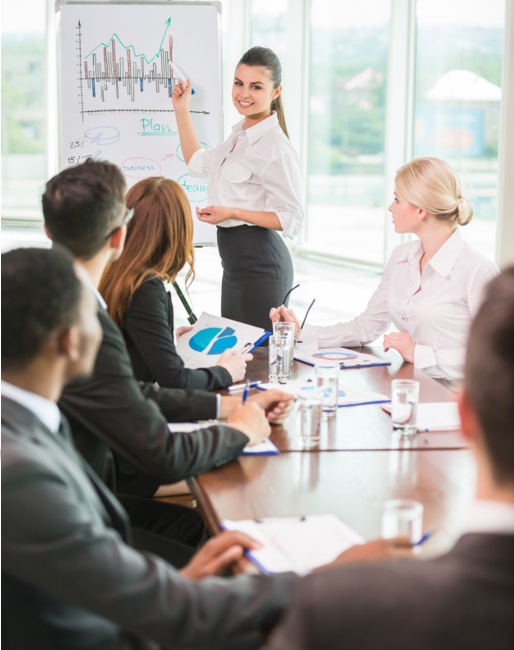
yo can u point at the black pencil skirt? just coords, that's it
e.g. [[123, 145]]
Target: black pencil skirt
[[257, 273]]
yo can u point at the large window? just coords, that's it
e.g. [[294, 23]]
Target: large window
[[268, 25], [367, 86], [24, 113], [457, 101], [347, 91]]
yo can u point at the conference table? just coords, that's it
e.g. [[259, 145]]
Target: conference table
[[359, 464]]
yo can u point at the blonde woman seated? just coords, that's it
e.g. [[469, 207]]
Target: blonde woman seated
[[159, 244], [432, 286]]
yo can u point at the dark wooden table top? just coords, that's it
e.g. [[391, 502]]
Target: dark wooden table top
[[353, 485], [359, 464]]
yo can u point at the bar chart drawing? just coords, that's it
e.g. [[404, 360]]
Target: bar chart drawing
[[113, 67], [117, 64]]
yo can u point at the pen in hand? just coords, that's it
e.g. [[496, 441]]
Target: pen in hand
[[245, 393]]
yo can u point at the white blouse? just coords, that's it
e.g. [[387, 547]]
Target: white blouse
[[254, 169], [435, 307]]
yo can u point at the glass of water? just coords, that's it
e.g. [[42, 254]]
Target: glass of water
[[310, 408], [403, 518], [281, 328], [280, 351], [404, 405]]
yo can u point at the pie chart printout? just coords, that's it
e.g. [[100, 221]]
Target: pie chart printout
[[334, 355], [213, 340]]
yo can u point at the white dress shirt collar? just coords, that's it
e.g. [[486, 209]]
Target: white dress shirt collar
[[444, 260], [98, 295], [491, 517], [255, 133], [44, 409]]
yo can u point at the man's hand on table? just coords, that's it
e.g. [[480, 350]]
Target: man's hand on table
[[218, 555], [251, 420], [374, 551], [276, 403]]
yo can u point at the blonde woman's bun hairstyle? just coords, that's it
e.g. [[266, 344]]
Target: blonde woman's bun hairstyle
[[431, 184]]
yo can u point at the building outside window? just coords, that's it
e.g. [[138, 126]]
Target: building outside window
[[457, 100]]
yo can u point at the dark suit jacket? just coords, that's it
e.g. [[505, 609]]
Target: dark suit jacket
[[70, 581], [111, 411], [462, 600], [148, 330]]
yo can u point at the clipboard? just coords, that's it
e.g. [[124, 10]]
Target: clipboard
[[345, 357], [287, 542]]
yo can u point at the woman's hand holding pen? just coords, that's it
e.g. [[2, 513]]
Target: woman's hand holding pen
[[234, 363], [402, 342], [284, 314]]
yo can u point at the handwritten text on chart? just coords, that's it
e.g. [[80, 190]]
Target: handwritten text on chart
[[140, 167], [196, 191], [149, 127]]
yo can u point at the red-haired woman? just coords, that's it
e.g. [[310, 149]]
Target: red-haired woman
[[159, 244]]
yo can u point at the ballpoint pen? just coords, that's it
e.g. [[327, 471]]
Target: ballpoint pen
[[245, 393], [424, 538], [237, 387]]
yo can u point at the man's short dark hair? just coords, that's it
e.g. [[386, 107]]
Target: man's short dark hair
[[40, 295], [489, 373], [83, 204]]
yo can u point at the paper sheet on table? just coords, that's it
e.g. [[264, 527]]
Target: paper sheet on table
[[345, 357], [298, 544], [347, 396], [435, 416], [212, 335], [265, 448]]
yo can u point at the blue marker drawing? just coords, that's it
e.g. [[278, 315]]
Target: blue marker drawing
[[102, 135]]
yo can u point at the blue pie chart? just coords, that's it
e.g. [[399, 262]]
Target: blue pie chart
[[213, 340]]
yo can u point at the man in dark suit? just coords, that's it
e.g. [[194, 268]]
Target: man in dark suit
[[70, 578], [118, 424], [464, 599]]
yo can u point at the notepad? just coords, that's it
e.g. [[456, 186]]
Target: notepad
[[265, 448], [298, 544], [347, 396], [345, 357], [435, 416]]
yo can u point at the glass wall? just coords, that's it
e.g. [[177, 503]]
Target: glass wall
[[347, 121], [457, 100], [24, 111]]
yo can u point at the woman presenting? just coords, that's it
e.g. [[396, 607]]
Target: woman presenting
[[432, 286], [254, 189]]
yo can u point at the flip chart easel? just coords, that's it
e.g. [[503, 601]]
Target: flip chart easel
[[116, 75]]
